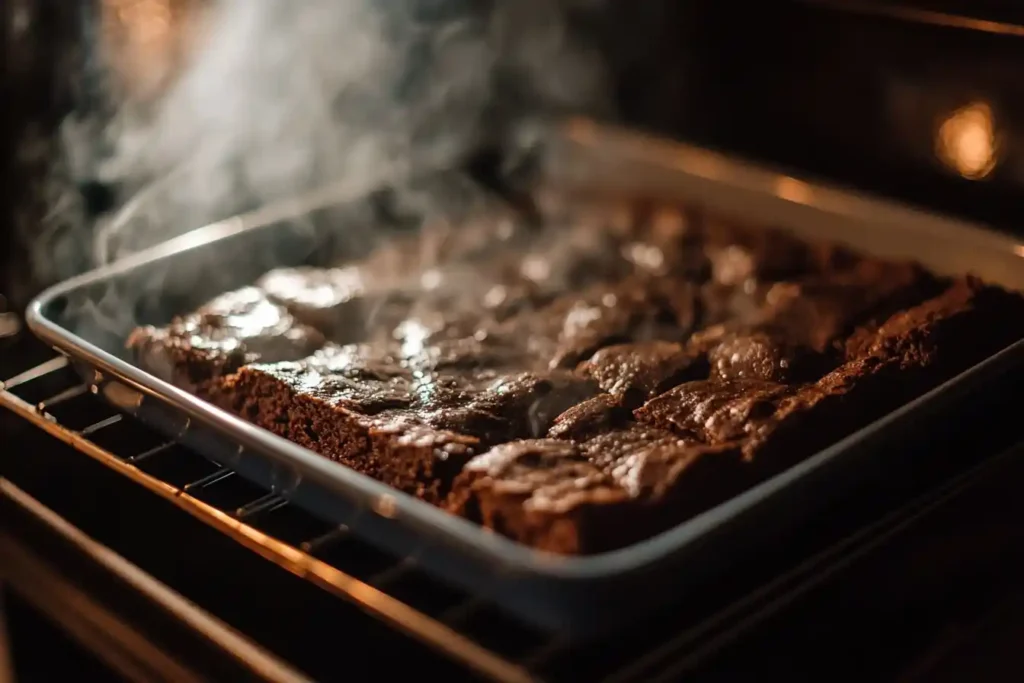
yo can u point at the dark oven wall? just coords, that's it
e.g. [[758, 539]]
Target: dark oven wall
[[926, 113], [45, 74], [922, 105]]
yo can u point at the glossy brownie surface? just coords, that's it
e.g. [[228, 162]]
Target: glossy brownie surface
[[584, 387]]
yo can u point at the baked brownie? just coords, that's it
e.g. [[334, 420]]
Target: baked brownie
[[410, 428], [718, 436], [598, 495], [641, 370], [575, 326], [582, 389], [233, 329], [889, 365], [334, 300], [602, 413]]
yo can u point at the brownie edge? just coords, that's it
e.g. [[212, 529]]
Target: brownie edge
[[231, 330], [365, 430]]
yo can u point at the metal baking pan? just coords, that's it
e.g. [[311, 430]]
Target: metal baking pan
[[89, 317]]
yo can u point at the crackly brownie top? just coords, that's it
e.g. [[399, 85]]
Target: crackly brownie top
[[597, 361], [513, 336], [239, 327], [497, 331]]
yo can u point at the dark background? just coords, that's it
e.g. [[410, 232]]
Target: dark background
[[854, 97]]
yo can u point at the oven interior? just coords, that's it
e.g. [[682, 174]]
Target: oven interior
[[75, 433]]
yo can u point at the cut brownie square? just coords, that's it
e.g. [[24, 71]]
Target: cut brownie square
[[409, 428], [789, 331], [760, 356], [713, 412], [642, 370], [603, 494], [602, 413], [233, 329], [964, 323], [332, 300], [575, 326], [352, 412], [912, 352], [888, 366]]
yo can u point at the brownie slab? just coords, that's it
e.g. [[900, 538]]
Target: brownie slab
[[582, 389]]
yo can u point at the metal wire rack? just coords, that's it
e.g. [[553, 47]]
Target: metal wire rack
[[53, 397], [65, 591]]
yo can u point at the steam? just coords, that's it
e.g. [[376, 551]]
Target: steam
[[281, 96]]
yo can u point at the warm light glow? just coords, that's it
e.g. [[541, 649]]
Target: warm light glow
[[793, 190], [967, 142], [386, 506], [141, 22], [147, 20], [145, 38], [10, 325]]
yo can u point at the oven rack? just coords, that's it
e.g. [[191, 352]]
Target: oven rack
[[993, 18], [148, 633], [53, 397]]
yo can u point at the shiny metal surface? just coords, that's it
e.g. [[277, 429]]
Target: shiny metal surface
[[588, 157]]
